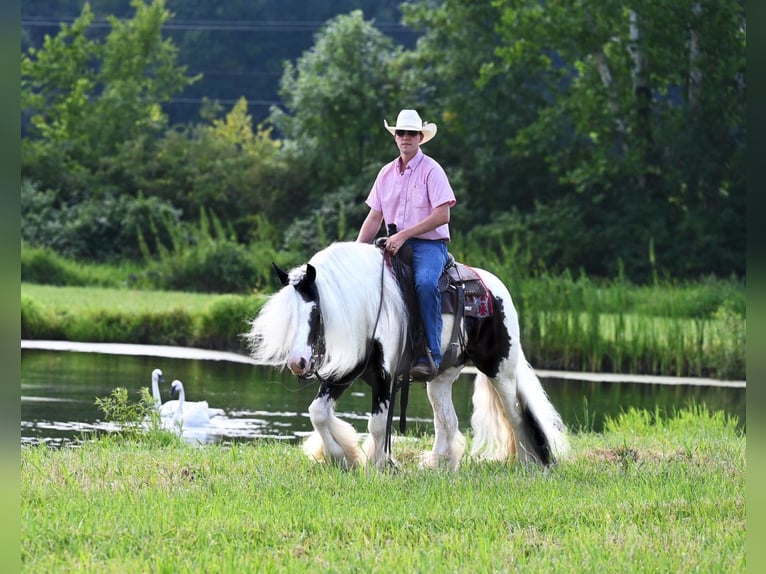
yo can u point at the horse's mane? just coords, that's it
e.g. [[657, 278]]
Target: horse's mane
[[348, 280]]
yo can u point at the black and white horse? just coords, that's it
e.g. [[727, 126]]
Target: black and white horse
[[342, 317]]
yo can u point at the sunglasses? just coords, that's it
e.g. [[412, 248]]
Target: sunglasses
[[411, 133]]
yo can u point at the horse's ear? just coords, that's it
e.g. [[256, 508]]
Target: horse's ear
[[282, 274], [311, 273]]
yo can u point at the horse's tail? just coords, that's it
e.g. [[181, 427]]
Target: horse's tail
[[493, 436], [547, 441], [535, 432]]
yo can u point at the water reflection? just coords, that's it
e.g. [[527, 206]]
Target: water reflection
[[59, 388]]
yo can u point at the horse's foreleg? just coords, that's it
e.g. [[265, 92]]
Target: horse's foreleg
[[374, 446], [332, 438], [449, 442]]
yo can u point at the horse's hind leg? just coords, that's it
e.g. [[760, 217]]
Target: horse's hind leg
[[332, 438], [449, 443]]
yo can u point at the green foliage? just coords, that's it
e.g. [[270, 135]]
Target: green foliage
[[226, 320], [171, 327], [117, 409], [590, 135], [85, 98], [38, 321], [207, 258], [336, 97], [138, 421], [110, 228], [694, 422], [46, 267], [626, 91], [222, 165], [694, 329], [476, 118], [337, 218], [215, 267]]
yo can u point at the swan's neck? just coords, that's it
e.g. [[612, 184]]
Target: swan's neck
[[156, 392], [181, 399]]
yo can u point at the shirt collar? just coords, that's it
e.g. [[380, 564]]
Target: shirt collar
[[413, 163]]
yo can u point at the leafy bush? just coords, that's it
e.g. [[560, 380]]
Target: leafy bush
[[37, 322], [137, 421], [214, 267], [104, 228], [46, 267], [225, 322], [207, 258], [173, 327]]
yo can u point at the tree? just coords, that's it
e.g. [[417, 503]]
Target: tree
[[477, 113], [336, 96], [644, 120], [222, 164], [83, 98]]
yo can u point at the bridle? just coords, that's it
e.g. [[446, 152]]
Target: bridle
[[318, 347], [318, 343]]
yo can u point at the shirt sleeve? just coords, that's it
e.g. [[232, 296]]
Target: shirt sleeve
[[439, 189], [373, 198]]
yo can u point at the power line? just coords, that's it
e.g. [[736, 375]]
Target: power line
[[219, 25], [235, 74], [224, 101]]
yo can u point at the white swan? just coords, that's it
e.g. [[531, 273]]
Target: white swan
[[156, 380], [168, 409], [189, 413]]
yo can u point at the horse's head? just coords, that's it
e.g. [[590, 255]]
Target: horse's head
[[307, 349]]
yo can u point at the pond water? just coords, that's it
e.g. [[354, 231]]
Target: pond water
[[59, 388]]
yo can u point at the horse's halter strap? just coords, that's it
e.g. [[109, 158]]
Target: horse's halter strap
[[318, 348], [317, 342]]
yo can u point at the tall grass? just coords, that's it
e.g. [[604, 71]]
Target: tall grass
[[652, 493], [686, 329], [44, 266]]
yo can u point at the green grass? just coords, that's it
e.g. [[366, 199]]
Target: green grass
[[85, 299], [651, 494]]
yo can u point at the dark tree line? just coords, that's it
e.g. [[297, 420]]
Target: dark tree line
[[604, 136]]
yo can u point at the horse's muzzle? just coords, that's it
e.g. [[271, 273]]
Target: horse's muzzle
[[303, 368]]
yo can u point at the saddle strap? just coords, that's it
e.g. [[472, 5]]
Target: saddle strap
[[454, 355]]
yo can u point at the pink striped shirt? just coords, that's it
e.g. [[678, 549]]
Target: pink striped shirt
[[408, 198]]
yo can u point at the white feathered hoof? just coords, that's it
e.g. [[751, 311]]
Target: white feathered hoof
[[445, 461]]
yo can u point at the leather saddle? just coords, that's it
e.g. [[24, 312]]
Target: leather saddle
[[460, 286]]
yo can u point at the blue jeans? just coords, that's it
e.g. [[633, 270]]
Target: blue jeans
[[428, 261]]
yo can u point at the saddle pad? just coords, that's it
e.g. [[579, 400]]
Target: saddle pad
[[478, 299]]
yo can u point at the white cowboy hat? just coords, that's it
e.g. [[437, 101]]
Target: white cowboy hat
[[410, 120]]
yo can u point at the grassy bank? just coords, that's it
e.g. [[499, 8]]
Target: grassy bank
[[114, 315], [664, 495], [694, 330]]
